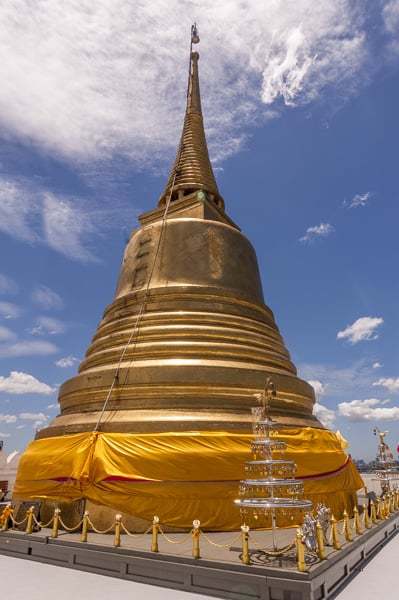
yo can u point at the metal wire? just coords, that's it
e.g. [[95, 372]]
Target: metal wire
[[278, 552]]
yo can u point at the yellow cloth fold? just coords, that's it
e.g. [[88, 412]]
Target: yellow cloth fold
[[178, 476]]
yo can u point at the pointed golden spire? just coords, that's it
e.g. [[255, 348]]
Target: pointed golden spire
[[192, 170]]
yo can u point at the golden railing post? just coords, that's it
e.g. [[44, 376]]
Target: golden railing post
[[321, 553], [245, 557], [392, 502], [334, 532], [358, 527], [56, 522], [378, 509], [117, 538], [300, 551], [85, 527], [347, 527], [155, 531], [373, 512], [367, 522], [196, 532], [386, 506], [6, 514], [396, 499], [29, 523]]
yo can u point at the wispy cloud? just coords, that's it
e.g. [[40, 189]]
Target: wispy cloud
[[88, 83], [7, 285], [9, 310], [23, 383], [8, 418], [359, 200], [317, 231], [390, 15], [65, 224], [4, 435], [377, 365], [35, 215], [6, 334], [390, 383], [362, 329], [47, 298], [39, 419], [67, 361], [27, 348], [48, 325], [371, 409]]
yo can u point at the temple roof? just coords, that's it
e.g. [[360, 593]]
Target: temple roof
[[192, 170]]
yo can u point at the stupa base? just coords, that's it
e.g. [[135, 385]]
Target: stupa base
[[178, 476]]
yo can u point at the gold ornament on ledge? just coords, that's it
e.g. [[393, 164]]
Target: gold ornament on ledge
[[271, 497]]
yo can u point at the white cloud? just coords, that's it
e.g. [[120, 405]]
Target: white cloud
[[28, 416], [39, 419], [4, 435], [8, 418], [20, 426], [390, 15], [318, 231], [48, 325], [90, 82], [340, 382], [52, 406], [7, 285], [23, 383], [318, 386], [368, 410], [66, 226], [324, 414], [377, 365], [67, 361], [47, 298], [27, 348], [390, 383], [9, 310], [362, 329], [35, 215], [6, 334], [359, 200]]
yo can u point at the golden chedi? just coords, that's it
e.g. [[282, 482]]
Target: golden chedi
[[158, 420]]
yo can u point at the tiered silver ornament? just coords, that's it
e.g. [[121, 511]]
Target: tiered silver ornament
[[271, 497], [387, 468]]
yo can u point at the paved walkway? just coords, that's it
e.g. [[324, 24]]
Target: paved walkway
[[379, 580], [25, 580]]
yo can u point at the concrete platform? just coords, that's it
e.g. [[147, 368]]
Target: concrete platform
[[219, 573]]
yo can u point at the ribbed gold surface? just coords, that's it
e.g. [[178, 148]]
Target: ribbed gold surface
[[205, 344], [192, 169]]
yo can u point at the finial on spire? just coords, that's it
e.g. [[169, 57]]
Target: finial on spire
[[194, 34], [192, 171]]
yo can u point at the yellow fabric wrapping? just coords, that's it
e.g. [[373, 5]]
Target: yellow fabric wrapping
[[177, 476]]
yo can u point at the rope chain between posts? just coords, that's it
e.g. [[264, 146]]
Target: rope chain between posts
[[18, 523], [70, 529], [134, 534], [188, 536], [40, 524], [208, 539], [100, 531]]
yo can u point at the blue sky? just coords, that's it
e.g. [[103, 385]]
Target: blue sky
[[301, 112]]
